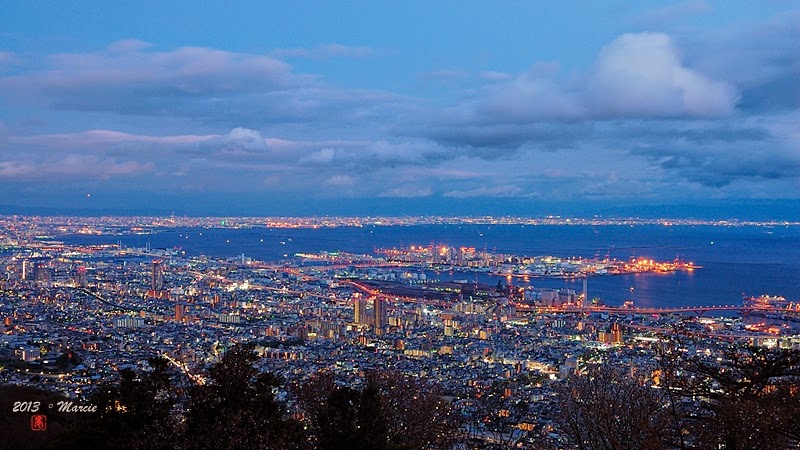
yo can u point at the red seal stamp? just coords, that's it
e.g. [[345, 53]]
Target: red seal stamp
[[38, 422]]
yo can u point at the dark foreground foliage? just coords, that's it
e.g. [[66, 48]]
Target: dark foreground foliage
[[741, 398], [237, 407], [748, 398]]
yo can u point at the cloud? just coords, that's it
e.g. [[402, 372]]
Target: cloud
[[134, 78], [636, 76], [372, 155], [441, 173], [107, 154], [131, 78], [104, 138], [324, 51], [185, 71], [239, 143], [15, 169], [530, 97], [127, 46], [83, 165], [493, 75], [320, 157], [738, 152], [407, 192], [443, 78], [760, 59], [505, 191], [340, 181], [649, 115], [641, 75], [71, 167], [497, 140]]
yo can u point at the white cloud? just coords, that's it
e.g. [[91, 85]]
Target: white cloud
[[635, 76], [641, 75], [90, 138], [238, 143], [321, 156]]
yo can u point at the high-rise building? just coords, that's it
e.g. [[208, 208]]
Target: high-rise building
[[585, 290], [381, 315], [616, 333], [157, 280], [359, 309], [180, 310], [42, 273], [80, 276]]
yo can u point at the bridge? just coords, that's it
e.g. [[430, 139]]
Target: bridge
[[376, 293], [698, 310]]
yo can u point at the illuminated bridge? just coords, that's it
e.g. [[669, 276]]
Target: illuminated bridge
[[699, 310]]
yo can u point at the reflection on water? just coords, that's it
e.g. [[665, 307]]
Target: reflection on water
[[742, 259]]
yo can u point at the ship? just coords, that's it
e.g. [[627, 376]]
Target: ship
[[767, 302], [773, 307]]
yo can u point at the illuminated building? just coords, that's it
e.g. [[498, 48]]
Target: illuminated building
[[359, 309], [42, 274], [157, 277], [80, 276], [381, 316], [616, 333]]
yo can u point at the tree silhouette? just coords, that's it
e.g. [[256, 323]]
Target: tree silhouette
[[236, 408], [495, 413], [608, 409], [738, 398], [134, 413], [749, 397], [388, 411]]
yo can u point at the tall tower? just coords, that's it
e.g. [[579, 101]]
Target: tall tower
[[381, 316], [586, 291], [157, 280], [359, 309]]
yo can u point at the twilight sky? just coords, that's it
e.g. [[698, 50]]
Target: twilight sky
[[305, 107]]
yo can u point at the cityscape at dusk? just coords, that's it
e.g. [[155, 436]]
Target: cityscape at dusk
[[400, 225]]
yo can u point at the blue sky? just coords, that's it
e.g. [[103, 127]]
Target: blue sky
[[404, 107]]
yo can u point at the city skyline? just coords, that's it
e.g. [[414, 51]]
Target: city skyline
[[267, 109]]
